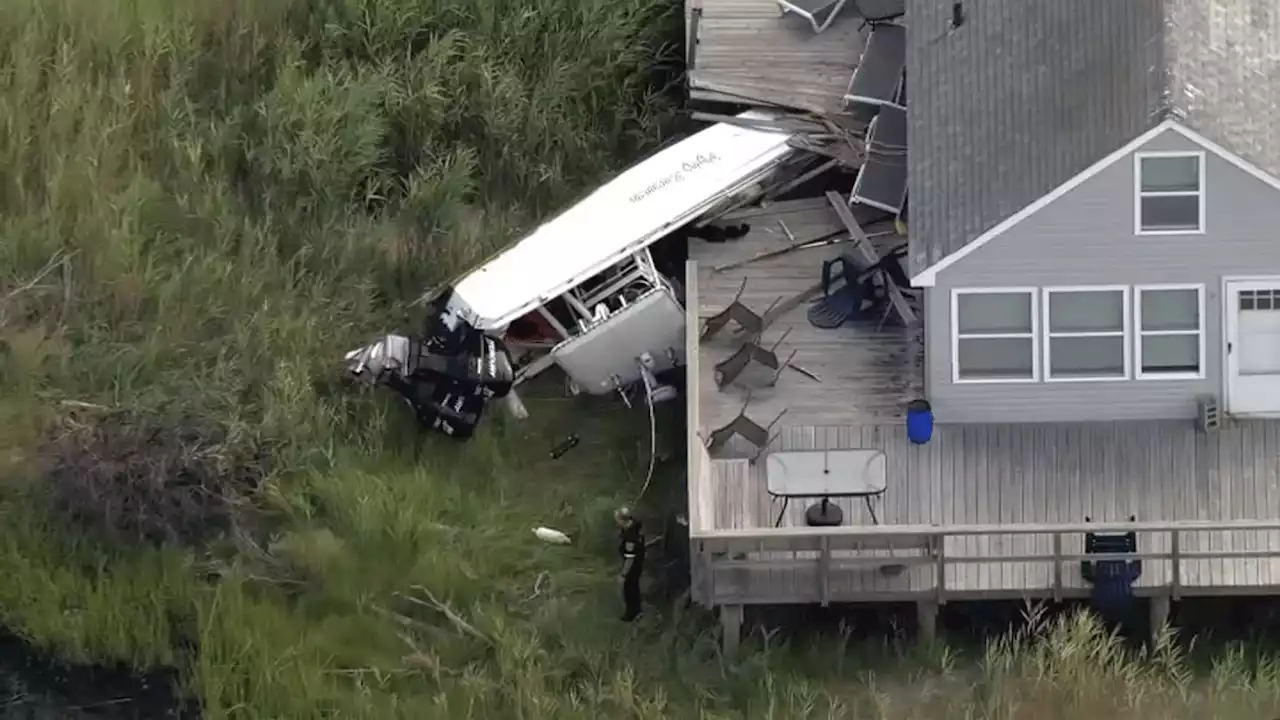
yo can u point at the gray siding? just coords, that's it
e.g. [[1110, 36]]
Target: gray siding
[[1086, 238]]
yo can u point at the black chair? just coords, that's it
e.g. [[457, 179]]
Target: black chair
[[746, 318], [728, 370], [748, 429], [843, 294]]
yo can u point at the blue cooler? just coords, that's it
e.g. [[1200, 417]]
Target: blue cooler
[[919, 421]]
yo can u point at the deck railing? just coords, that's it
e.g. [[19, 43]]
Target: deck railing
[[698, 461], [824, 552]]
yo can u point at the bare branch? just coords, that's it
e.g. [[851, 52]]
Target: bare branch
[[455, 618], [49, 267]]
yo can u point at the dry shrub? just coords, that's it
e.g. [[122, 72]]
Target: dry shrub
[[137, 479]]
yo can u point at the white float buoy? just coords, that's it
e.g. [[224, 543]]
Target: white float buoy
[[555, 537]]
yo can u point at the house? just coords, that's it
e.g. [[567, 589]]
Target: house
[[1094, 240], [1096, 197]]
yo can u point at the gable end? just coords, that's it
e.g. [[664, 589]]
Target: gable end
[[928, 277]]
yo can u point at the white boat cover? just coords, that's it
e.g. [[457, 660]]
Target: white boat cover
[[630, 212]]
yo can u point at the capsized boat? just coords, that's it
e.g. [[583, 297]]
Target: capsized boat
[[582, 291]]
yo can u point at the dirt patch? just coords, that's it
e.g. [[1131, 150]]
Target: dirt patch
[[142, 480]]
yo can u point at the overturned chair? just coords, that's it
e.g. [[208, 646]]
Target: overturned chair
[[748, 320], [760, 437], [858, 291], [729, 369]]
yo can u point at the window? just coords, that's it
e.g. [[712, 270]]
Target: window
[[994, 335], [1170, 193], [1086, 333], [1170, 331]]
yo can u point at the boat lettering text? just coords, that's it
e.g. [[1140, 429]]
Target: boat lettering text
[[686, 167]]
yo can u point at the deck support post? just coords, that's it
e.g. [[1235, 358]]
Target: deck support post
[[927, 620], [1159, 608], [731, 629]]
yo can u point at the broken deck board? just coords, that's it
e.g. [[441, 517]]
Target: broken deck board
[[864, 373]]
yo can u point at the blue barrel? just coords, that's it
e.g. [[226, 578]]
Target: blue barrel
[[919, 421]]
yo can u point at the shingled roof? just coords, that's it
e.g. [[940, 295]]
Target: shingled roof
[[1026, 94]]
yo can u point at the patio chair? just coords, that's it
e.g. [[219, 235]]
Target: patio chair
[[882, 181], [819, 13], [728, 370], [746, 318], [750, 430], [839, 303], [881, 71]]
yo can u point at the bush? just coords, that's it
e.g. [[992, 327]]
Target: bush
[[132, 481]]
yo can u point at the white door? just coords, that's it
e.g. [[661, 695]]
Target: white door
[[1253, 347]]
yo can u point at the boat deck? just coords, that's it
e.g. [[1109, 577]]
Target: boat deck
[[747, 52]]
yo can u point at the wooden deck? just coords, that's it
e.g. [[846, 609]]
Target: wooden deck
[[865, 374], [1008, 475], [989, 497], [746, 52]]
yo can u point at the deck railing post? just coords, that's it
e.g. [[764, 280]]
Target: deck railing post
[[1057, 567], [708, 574], [1175, 572], [938, 541]]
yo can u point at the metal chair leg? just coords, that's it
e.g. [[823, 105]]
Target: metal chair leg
[[866, 499]]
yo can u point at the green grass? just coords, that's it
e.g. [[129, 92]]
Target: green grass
[[204, 202]]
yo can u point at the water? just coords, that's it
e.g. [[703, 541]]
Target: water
[[34, 686]]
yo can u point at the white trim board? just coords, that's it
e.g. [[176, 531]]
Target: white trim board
[[928, 277]]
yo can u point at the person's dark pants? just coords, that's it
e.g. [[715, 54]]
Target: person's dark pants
[[631, 594]]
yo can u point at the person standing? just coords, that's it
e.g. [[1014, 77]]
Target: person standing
[[631, 546]]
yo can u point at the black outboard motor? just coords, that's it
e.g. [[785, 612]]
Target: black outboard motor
[[447, 333], [448, 379]]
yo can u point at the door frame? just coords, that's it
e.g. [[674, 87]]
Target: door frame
[[1230, 328]]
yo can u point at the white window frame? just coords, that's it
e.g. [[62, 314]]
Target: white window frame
[[1139, 194], [1139, 333], [1125, 333], [1034, 293]]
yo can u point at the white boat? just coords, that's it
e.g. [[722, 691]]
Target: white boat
[[582, 291]]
